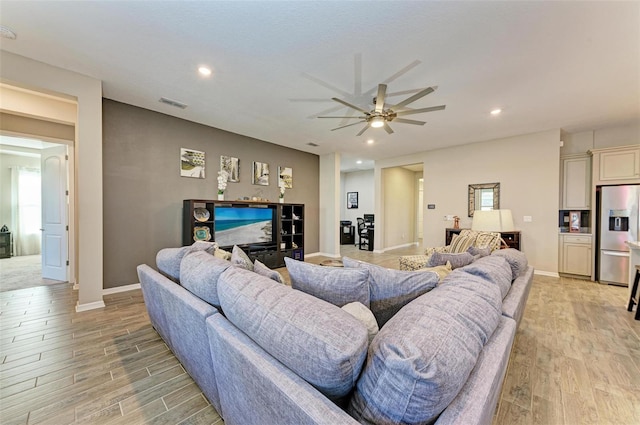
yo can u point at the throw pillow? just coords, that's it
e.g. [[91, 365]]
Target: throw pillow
[[442, 271], [265, 271], [488, 239], [209, 247], [516, 259], [199, 274], [364, 315], [319, 342], [240, 259], [460, 243], [481, 252], [336, 285], [424, 355], [456, 260], [390, 290], [222, 254]]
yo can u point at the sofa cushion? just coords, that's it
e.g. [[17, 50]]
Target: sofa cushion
[[336, 285], [240, 259], [390, 290], [422, 357], [265, 271], [442, 271], [321, 343], [199, 274], [516, 259], [168, 259], [461, 243], [364, 315], [493, 269], [456, 260]]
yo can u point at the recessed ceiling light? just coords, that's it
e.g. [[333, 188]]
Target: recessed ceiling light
[[358, 162], [203, 70], [370, 142], [496, 111]]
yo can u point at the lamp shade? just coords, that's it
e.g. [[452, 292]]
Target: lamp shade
[[493, 221]]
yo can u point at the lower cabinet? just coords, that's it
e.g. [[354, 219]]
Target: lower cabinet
[[575, 254]]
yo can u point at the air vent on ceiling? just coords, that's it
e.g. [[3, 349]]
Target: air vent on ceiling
[[173, 103], [313, 144]]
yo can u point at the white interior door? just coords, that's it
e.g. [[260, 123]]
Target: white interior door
[[55, 239]]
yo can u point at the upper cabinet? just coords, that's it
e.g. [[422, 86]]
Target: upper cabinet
[[616, 165], [576, 182]]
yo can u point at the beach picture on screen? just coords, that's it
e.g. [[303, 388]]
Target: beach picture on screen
[[243, 225]]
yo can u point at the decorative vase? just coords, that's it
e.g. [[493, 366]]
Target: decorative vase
[[281, 200], [220, 196]]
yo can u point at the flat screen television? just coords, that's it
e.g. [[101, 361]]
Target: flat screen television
[[240, 225]]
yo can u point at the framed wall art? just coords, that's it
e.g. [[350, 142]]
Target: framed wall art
[[191, 163], [260, 175], [352, 200], [285, 177], [232, 166]]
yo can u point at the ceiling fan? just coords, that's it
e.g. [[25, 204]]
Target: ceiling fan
[[383, 114]]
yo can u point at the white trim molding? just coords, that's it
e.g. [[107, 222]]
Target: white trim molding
[[545, 273], [119, 289], [89, 306]]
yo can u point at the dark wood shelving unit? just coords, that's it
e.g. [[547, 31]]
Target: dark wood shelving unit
[[511, 238], [288, 229]]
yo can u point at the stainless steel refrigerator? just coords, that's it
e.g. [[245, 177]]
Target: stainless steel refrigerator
[[618, 223]]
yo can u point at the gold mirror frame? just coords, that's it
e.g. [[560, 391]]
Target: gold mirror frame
[[472, 195]]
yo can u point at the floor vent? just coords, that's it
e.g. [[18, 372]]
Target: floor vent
[[174, 103]]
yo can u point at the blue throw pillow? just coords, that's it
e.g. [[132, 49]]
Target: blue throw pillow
[[265, 271], [456, 260], [516, 259], [336, 285]]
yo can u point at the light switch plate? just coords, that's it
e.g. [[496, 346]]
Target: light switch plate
[[527, 219]]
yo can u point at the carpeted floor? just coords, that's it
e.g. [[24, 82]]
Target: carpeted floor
[[22, 272]]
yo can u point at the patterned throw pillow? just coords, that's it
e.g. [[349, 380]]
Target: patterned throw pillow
[[488, 239], [335, 285], [461, 243], [265, 271], [240, 259], [222, 254], [456, 260], [482, 252]]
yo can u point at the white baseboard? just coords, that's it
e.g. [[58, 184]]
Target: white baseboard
[[396, 247], [90, 306], [118, 289], [544, 273], [324, 254]]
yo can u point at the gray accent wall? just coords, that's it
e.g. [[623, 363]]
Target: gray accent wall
[[143, 190]]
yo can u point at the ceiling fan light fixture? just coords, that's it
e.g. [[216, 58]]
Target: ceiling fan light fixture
[[377, 122]]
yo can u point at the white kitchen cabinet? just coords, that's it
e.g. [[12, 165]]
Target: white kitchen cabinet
[[575, 254], [576, 182], [616, 165]]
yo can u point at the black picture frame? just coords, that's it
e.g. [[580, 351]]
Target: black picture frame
[[352, 200]]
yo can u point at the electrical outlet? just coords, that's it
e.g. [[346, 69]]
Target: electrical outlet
[[527, 219]]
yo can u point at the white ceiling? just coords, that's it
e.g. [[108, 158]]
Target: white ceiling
[[570, 65]]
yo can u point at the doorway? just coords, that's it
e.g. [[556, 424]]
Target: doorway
[[35, 211]]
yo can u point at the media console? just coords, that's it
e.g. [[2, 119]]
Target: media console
[[266, 231]]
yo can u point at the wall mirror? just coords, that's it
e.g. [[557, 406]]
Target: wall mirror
[[485, 196]]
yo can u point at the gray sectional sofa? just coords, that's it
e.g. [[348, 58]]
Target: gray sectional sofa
[[267, 353]]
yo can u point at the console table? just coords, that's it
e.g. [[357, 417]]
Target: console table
[[511, 238]]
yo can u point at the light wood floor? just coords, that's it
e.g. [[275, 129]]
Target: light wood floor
[[576, 359]]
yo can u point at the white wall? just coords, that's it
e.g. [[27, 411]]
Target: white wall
[[37, 76], [363, 183], [329, 214], [399, 206]]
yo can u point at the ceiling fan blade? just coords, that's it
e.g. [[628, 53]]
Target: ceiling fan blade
[[325, 84], [348, 125], [363, 130], [387, 128], [357, 74], [406, 121], [360, 118], [421, 110], [395, 76], [413, 98], [357, 108], [382, 92]]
